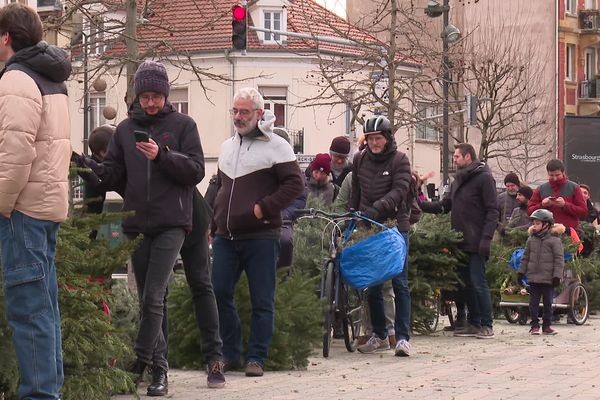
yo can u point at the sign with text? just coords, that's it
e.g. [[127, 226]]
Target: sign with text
[[582, 152]]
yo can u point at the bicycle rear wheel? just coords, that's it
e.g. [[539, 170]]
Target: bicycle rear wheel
[[352, 311], [329, 306]]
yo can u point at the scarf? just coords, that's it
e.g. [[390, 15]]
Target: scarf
[[557, 185]]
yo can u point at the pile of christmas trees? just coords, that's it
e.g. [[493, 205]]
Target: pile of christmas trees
[[92, 346]]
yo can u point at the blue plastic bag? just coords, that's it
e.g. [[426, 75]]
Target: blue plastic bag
[[515, 262], [515, 259], [374, 260]]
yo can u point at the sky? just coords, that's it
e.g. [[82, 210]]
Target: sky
[[337, 6]]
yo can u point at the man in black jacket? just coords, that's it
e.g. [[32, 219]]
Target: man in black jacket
[[381, 179], [157, 155], [472, 200]]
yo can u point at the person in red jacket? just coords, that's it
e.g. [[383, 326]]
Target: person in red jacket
[[559, 195]]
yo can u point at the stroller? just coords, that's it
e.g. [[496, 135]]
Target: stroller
[[571, 299]]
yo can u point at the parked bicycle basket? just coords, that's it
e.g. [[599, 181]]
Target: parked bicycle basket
[[374, 260]]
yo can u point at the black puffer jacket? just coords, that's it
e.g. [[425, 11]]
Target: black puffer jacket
[[472, 200], [159, 191], [381, 181]]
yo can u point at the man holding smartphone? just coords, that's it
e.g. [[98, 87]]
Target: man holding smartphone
[[559, 195], [156, 153]]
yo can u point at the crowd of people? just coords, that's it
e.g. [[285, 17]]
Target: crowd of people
[[154, 160]]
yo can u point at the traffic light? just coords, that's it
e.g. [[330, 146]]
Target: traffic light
[[239, 27], [472, 103]]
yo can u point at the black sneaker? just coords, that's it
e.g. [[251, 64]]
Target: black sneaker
[[160, 383], [216, 377], [467, 331]]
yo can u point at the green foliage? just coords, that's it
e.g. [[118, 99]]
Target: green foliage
[[500, 274], [297, 325], [124, 311], [9, 375], [77, 254], [91, 344], [311, 241], [184, 337], [433, 259]]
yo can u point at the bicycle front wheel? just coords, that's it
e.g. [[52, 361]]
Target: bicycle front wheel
[[329, 306], [352, 311]]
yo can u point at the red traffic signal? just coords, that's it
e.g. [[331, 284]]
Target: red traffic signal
[[238, 27], [239, 13]]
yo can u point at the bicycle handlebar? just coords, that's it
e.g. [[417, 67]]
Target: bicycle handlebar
[[313, 212]]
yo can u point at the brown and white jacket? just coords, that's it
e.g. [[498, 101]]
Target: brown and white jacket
[[259, 168], [35, 144]]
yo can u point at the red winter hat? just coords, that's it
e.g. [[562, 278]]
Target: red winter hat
[[322, 162], [340, 146]]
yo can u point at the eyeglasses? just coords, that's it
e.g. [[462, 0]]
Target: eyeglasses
[[154, 97], [243, 112]]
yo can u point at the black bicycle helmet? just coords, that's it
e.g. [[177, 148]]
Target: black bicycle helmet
[[543, 215], [377, 124]]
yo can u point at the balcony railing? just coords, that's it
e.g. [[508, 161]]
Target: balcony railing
[[589, 20], [589, 89], [297, 140]]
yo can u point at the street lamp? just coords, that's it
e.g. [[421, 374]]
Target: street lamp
[[82, 37], [450, 34]]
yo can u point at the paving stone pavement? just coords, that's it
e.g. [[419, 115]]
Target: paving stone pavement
[[514, 365]]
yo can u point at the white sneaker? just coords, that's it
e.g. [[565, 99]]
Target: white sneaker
[[374, 344], [402, 348]]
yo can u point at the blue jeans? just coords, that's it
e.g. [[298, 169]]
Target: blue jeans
[[31, 302], [401, 301], [479, 301], [258, 258]]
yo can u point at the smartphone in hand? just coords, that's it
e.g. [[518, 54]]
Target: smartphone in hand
[[141, 136]]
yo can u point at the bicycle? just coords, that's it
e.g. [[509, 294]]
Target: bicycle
[[341, 302]]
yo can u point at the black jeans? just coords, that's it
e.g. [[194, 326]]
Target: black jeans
[[153, 262], [546, 292], [286, 246], [196, 266]]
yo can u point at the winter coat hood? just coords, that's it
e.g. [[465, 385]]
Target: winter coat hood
[[49, 61], [556, 230], [266, 124]]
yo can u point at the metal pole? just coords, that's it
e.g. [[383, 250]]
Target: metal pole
[[86, 95], [446, 83], [132, 48]]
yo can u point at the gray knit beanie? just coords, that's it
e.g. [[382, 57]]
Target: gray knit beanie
[[151, 76]]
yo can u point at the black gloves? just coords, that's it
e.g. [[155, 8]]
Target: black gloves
[[78, 159], [371, 213], [555, 281], [484, 248], [520, 277]]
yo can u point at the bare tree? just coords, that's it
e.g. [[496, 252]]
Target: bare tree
[[506, 76], [492, 62], [118, 34], [377, 73]]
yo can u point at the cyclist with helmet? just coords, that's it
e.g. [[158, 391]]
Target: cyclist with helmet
[[543, 262], [380, 184]]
